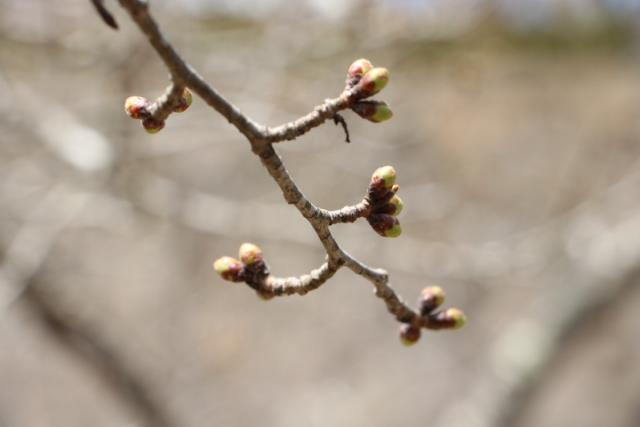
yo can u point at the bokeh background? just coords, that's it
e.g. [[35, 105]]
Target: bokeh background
[[515, 137]]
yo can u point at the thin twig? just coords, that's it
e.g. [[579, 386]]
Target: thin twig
[[106, 16], [301, 285]]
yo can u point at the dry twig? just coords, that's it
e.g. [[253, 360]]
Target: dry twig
[[379, 206]]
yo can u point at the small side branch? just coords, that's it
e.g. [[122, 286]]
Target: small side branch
[[318, 116], [279, 286], [183, 74], [348, 213]]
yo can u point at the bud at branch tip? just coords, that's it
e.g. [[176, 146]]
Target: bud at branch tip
[[373, 81], [359, 68], [374, 111], [409, 334], [152, 125], [229, 268], [385, 175], [250, 253], [136, 107], [184, 102], [431, 298]]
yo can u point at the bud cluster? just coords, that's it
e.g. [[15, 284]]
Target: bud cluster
[[367, 81], [140, 108], [250, 268], [385, 204], [430, 299]]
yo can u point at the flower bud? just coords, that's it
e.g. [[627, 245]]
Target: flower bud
[[185, 101], [451, 318], [229, 268], [394, 231], [373, 82], [250, 254], [385, 225], [396, 204], [152, 125], [136, 107], [359, 68], [384, 176], [374, 111], [457, 316], [431, 298], [409, 334]]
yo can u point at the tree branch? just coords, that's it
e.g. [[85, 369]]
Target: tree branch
[[183, 74], [318, 116], [278, 286], [363, 81]]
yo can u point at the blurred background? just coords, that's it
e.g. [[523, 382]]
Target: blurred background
[[515, 138]]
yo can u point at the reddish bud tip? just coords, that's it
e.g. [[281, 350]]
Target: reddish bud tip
[[185, 101], [136, 107], [451, 318], [229, 268], [385, 225], [374, 111], [409, 334], [457, 316], [384, 176], [152, 125], [359, 68], [250, 253], [373, 82], [431, 298]]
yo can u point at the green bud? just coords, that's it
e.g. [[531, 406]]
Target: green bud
[[136, 107], [250, 253], [431, 298], [457, 316], [394, 231], [229, 268], [409, 334], [359, 68], [373, 81], [384, 176], [185, 101], [385, 225], [397, 204], [152, 125], [374, 111], [451, 318]]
